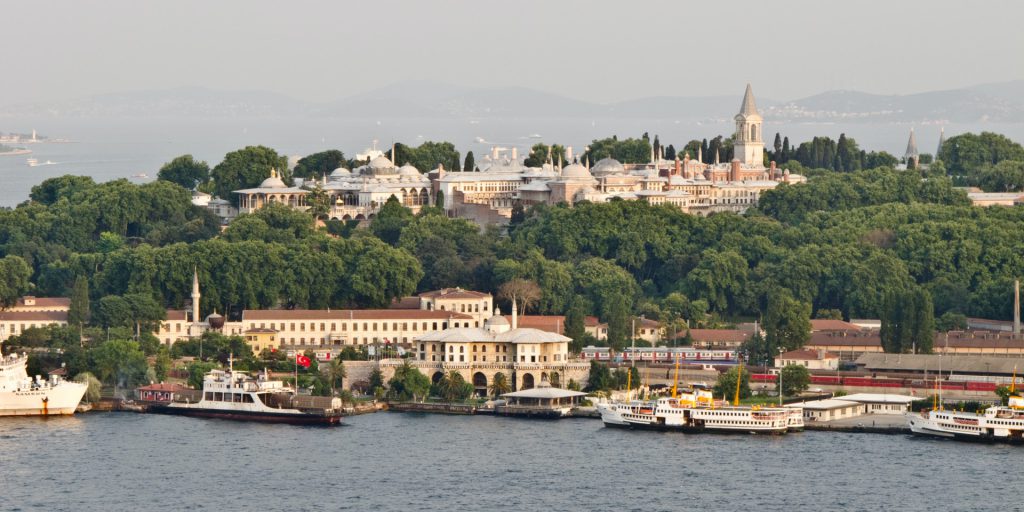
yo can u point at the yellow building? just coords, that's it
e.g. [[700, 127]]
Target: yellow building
[[260, 339]]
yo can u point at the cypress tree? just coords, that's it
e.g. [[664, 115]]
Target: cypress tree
[[78, 314], [470, 164]]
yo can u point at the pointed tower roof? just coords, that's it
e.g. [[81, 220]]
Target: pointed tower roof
[[748, 107], [911, 145]]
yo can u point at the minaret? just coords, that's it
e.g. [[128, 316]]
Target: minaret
[[912, 154], [942, 140], [749, 146], [195, 298], [515, 314]]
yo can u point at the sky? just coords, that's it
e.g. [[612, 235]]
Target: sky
[[601, 51]]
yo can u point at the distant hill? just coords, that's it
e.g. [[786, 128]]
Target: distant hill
[[1000, 102], [984, 103]]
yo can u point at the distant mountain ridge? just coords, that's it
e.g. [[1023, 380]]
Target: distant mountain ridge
[[997, 102]]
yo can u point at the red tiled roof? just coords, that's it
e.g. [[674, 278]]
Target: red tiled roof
[[832, 325], [350, 314], [34, 316], [405, 303], [164, 386], [454, 293], [720, 335], [176, 314], [808, 355], [61, 302], [549, 323]]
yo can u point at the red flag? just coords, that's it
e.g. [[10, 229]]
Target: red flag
[[302, 360]]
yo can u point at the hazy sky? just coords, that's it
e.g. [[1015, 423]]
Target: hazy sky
[[599, 51]]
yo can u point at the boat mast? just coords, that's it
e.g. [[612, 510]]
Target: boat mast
[[675, 382], [739, 379]]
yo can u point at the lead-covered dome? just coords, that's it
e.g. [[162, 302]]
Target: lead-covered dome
[[608, 165], [576, 171]]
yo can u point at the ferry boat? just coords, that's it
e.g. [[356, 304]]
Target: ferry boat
[[24, 396], [235, 395], [682, 415], [1003, 423]]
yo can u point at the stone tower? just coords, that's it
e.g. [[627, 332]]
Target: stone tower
[[912, 156], [195, 296], [749, 145]]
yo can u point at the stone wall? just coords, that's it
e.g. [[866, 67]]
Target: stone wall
[[480, 374]]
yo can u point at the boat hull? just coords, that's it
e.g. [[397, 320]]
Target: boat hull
[[61, 400], [687, 429], [256, 416]]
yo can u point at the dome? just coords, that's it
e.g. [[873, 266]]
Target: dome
[[497, 323], [340, 172], [215, 321], [606, 166], [273, 181], [408, 170], [576, 171], [381, 162]]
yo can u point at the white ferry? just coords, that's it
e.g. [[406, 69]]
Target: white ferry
[[681, 415], [23, 396], [1003, 423], [237, 396]]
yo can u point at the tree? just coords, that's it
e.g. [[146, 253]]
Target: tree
[[439, 200], [197, 371], [408, 383], [335, 373], [78, 313], [967, 153], [541, 154], [247, 168], [599, 378], [795, 379], [470, 164], [390, 220], [162, 364], [14, 279], [319, 164], [523, 292], [319, 202], [726, 385], [93, 385], [376, 382], [185, 171], [787, 321], [453, 387], [575, 326], [500, 384], [908, 321], [120, 362]]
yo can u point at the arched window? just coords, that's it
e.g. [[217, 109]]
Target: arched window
[[753, 132]]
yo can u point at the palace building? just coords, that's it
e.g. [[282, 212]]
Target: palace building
[[488, 197]]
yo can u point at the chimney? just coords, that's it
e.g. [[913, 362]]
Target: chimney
[[735, 174], [1016, 306], [494, 153], [771, 174], [515, 155], [568, 153], [679, 167], [515, 314]]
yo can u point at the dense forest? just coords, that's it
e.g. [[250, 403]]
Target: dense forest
[[846, 244]]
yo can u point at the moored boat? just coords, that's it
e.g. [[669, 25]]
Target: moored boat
[[235, 395], [21, 395]]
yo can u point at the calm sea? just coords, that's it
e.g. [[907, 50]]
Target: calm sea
[[393, 461], [110, 149]]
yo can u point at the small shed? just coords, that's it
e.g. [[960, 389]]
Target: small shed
[[829, 409], [162, 392], [881, 403]]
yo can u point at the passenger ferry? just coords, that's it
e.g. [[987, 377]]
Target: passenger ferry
[[235, 395], [1003, 423], [23, 396], [683, 415]]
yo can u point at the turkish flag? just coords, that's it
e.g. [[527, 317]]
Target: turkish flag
[[302, 360]]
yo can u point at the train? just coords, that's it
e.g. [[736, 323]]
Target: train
[[659, 355], [885, 382]]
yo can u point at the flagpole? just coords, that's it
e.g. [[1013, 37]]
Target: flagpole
[[296, 361]]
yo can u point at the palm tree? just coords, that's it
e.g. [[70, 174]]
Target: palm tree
[[500, 385], [335, 374]]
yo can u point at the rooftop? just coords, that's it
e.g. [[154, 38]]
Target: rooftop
[[880, 398], [544, 393]]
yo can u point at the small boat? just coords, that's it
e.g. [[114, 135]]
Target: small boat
[[235, 395], [32, 162], [140, 175]]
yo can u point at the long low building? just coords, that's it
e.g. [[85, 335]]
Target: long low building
[[851, 344], [13, 323]]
